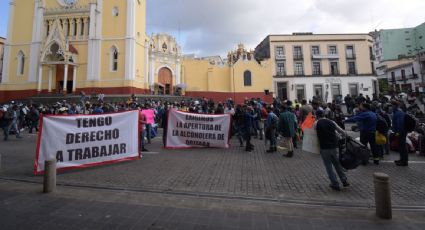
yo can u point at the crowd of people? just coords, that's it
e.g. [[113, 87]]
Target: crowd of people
[[279, 120]]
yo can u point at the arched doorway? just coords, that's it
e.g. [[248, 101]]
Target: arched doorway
[[165, 80]]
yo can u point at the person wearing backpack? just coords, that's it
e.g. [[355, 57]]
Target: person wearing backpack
[[367, 120], [271, 126], [382, 129], [328, 141], [400, 130]]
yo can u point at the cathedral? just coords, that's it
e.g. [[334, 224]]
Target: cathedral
[[66, 46], [69, 46]]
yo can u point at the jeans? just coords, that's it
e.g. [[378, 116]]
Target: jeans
[[369, 138], [387, 145], [34, 124], [273, 138], [239, 134], [247, 135], [148, 132], [330, 159], [402, 147], [12, 125], [142, 139]]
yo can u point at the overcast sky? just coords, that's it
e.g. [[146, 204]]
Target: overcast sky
[[211, 27]]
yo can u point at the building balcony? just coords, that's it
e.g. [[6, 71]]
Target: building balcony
[[334, 73], [351, 56], [299, 74], [280, 57], [317, 73], [325, 56], [280, 74], [298, 57]]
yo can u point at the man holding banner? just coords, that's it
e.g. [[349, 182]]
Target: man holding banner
[[80, 141], [188, 130]]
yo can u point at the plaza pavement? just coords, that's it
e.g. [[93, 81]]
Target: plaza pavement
[[221, 185]]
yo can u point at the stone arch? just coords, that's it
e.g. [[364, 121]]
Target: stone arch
[[165, 80]]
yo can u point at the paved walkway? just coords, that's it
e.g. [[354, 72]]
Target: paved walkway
[[230, 173], [22, 206]]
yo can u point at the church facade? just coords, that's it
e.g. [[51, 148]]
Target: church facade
[[66, 46]]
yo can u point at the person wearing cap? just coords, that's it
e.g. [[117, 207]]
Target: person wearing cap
[[367, 120], [328, 141]]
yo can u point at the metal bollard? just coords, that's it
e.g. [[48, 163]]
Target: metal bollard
[[49, 182], [382, 195]]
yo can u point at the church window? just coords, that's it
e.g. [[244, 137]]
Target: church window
[[115, 12], [247, 78], [21, 63], [75, 27], [114, 59], [82, 27]]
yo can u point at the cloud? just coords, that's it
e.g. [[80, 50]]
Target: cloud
[[212, 27]]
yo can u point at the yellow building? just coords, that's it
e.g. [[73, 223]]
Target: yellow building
[[67, 46], [239, 77], [2, 41]]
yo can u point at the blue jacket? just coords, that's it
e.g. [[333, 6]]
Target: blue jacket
[[398, 121], [367, 121], [248, 121]]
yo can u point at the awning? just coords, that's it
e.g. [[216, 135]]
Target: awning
[[160, 85]]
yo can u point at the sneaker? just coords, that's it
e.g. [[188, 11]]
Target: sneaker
[[145, 150], [335, 187], [290, 154], [402, 163], [345, 184]]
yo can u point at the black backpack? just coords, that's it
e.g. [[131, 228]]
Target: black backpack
[[381, 125], [410, 122]]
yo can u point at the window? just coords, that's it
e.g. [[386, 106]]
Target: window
[[392, 76], [315, 50], [334, 68], [333, 50], [21, 63], [114, 59], [299, 69], [75, 27], [349, 51], [298, 52], [247, 78], [403, 73], [351, 68], [318, 92], [115, 12], [354, 89], [336, 91], [300, 89], [316, 68], [82, 28], [280, 68], [279, 50]]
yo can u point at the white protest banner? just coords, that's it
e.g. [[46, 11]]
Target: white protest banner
[[78, 141], [187, 130]]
